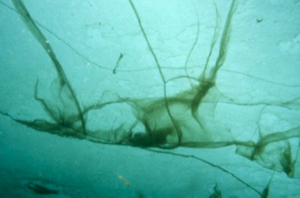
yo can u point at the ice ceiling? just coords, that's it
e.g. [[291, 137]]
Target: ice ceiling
[[165, 76]]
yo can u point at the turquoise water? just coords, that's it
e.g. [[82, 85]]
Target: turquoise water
[[149, 99]]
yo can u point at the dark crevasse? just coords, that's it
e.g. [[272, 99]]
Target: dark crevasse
[[184, 86]]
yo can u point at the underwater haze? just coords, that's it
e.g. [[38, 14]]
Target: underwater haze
[[148, 98]]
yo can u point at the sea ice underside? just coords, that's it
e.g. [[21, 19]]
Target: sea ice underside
[[170, 121]]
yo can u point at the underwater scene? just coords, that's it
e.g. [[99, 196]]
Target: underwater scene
[[148, 98]]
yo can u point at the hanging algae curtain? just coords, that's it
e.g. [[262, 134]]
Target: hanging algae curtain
[[166, 76]]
